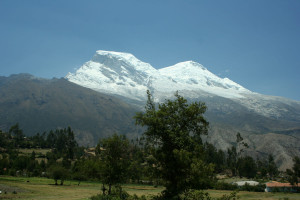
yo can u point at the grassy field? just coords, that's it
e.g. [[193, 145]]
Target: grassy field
[[43, 188]]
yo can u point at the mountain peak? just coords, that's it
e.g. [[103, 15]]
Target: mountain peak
[[123, 55], [123, 74], [187, 65]]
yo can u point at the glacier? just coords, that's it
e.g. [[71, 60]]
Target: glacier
[[123, 74]]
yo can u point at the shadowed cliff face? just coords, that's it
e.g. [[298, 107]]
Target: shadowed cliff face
[[40, 105]]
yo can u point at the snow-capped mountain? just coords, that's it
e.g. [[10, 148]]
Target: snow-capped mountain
[[114, 73], [193, 76], [270, 125], [125, 75]]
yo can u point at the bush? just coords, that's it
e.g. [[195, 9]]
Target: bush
[[225, 186], [255, 188], [117, 194], [114, 197], [197, 195]]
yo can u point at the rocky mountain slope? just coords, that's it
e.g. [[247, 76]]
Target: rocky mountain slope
[[40, 105]]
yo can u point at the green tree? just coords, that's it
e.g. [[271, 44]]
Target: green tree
[[235, 152], [18, 134], [247, 167], [114, 154], [33, 155], [215, 156], [2, 139], [71, 143], [58, 172], [262, 167], [174, 130], [272, 168], [232, 160], [51, 139], [294, 174]]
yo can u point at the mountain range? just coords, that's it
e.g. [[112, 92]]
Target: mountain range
[[231, 107], [102, 96], [125, 75]]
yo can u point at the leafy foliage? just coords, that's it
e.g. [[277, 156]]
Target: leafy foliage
[[294, 174], [174, 131], [170, 153], [247, 167], [57, 172], [113, 152]]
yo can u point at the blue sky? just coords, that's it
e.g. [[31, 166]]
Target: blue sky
[[253, 42]]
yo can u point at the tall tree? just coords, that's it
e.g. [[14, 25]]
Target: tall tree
[[247, 167], [294, 174], [232, 159], [18, 134], [272, 168], [174, 129], [235, 152], [113, 152], [71, 143]]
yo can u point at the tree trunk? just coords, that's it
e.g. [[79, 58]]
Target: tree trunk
[[109, 189], [103, 189]]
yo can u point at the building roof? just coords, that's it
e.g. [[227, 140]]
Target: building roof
[[278, 184], [241, 183]]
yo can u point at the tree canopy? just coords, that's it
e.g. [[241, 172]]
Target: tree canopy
[[294, 174], [174, 130], [114, 154]]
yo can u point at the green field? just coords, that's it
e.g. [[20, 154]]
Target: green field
[[43, 188]]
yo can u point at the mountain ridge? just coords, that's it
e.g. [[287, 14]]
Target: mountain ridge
[[110, 71], [124, 75], [231, 107], [40, 105]]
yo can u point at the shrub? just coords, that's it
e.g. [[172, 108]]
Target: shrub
[[197, 195], [116, 197], [253, 188], [225, 186], [117, 194]]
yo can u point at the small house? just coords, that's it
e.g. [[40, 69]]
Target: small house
[[242, 183], [275, 186]]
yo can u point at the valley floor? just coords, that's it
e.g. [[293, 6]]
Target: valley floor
[[42, 188]]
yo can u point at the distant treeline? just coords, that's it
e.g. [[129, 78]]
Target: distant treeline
[[117, 159], [65, 152]]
